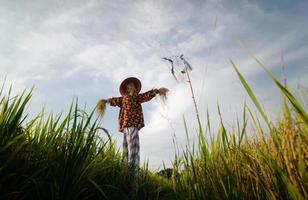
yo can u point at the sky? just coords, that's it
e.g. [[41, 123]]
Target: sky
[[85, 48]]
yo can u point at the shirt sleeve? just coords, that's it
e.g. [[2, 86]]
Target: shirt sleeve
[[116, 101], [147, 96]]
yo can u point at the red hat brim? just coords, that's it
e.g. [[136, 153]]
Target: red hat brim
[[124, 83]]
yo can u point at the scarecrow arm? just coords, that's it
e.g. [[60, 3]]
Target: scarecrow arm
[[115, 101], [147, 96]]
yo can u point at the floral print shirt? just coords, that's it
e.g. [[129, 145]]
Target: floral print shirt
[[131, 114]]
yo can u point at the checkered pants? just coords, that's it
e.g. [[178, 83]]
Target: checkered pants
[[131, 149]]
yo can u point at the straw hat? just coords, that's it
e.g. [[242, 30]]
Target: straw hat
[[124, 83]]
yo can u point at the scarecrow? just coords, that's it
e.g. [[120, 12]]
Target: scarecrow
[[131, 116]]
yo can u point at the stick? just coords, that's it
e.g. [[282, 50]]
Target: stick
[[194, 101]]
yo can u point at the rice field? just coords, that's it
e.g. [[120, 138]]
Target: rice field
[[62, 156]]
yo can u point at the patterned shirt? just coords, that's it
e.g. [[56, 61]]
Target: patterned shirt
[[131, 110]]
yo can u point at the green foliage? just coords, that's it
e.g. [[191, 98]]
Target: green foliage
[[269, 164], [66, 157]]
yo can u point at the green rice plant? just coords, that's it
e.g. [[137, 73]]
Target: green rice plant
[[64, 157], [301, 113], [236, 164], [11, 110]]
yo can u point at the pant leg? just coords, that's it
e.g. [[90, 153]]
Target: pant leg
[[125, 145], [133, 147]]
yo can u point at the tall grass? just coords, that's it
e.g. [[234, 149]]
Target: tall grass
[[65, 157], [271, 164]]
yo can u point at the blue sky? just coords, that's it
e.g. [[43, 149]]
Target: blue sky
[[85, 49]]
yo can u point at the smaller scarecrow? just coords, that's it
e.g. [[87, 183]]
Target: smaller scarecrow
[[131, 117]]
